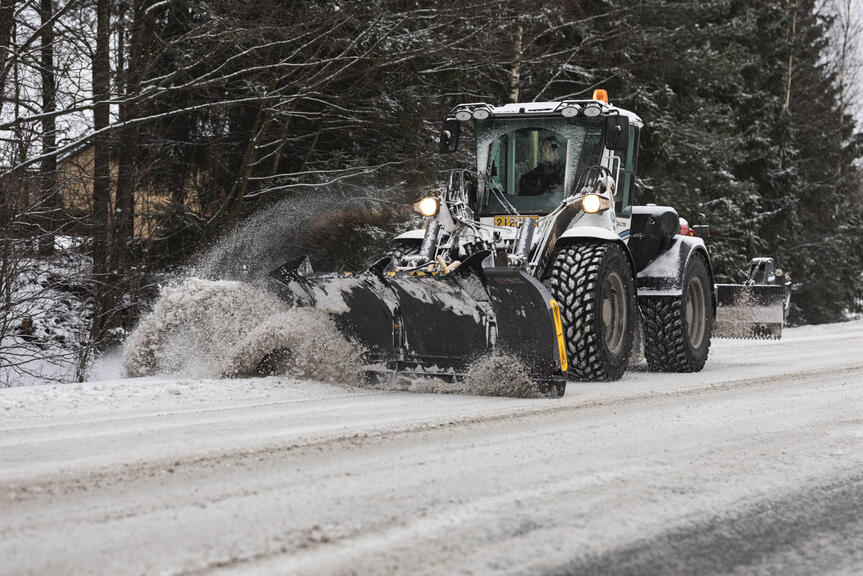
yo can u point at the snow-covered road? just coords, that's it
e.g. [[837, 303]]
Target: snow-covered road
[[754, 465]]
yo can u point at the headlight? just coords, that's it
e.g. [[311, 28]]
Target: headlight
[[594, 203], [427, 206]]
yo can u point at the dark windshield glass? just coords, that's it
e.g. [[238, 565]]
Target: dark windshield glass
[[527, 159]]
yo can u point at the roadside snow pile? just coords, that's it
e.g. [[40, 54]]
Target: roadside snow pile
[[44, 327], [206, 328]]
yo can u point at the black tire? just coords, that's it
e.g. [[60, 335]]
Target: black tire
[[593, 285], [678, 329]]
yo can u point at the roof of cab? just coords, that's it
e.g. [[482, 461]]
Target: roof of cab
[[545, 109]]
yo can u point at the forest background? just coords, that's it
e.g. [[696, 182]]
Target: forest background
[[134, 134]]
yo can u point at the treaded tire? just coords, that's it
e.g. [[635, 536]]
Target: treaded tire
[[577, 279], [668, 341]]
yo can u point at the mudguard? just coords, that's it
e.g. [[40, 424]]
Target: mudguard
[[581, 233], [589, 232], [663, 275]]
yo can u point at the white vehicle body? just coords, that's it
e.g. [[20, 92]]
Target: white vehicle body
[[501, 230]]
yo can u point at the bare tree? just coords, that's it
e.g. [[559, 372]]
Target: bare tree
[[49, 196], [101, 166], [515, 65]]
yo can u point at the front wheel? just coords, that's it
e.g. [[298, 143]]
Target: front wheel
[[594, 286], [678, 329]]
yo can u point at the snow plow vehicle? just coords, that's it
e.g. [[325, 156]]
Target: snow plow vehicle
[[539, 253]]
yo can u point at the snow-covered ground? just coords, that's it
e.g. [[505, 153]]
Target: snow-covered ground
[[48, 324], [754, 465]]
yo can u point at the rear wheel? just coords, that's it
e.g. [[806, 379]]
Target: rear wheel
[[593, 284], [678, 329]]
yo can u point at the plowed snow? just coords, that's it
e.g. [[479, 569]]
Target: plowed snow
[[208, 328], [205, 328]]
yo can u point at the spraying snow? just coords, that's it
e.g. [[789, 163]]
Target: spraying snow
[[492, 375], [501, 375], [214, 328], [342, 227], [739, 317], [747, 317], [301, 342], [206, 328]]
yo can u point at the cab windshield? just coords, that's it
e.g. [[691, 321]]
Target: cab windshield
[[530, 163]]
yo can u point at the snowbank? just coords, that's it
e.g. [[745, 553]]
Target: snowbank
[[47, 323]]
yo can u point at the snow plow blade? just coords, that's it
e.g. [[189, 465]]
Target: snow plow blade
[[750, 311], [434, 324]]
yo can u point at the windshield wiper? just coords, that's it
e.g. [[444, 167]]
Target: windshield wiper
[[501, 197]]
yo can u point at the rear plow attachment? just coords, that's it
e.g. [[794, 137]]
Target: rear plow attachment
[[757, 308], [435, 322]]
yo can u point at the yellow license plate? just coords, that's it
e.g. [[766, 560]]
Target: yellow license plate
[[512, 220]]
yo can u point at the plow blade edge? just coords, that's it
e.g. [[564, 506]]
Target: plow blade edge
[[750, 311]]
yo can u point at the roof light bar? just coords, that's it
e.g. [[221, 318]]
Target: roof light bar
[[463, 115], [592, 110], [570, 110]]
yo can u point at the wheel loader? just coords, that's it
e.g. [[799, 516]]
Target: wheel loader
[[538, 252]]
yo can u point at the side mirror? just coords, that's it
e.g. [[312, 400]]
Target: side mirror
[[617, 132], [449, 136]]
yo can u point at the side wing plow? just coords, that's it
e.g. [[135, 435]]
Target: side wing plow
[[756, 309]]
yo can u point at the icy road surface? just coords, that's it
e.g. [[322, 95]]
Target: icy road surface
[[754, 465]]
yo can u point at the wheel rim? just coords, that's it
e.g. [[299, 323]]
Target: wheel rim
[[613, 312], [695, 317]]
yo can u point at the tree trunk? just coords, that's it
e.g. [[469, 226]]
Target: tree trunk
[[515, 63], [127, 165], [7, 23], [49, 195], [848, 29], [787, 102], [101, 167]]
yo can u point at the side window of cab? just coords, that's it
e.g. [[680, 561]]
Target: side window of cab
[[623, 196]]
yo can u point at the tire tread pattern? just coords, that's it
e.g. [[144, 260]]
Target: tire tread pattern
[[572, 279], [664, 347], [665, 341]]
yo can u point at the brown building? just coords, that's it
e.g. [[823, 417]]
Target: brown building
[[75, 180]]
